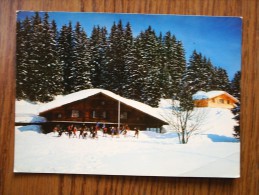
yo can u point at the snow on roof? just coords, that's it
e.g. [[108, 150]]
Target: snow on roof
[[63, 100], [200, 95], [211, 94]]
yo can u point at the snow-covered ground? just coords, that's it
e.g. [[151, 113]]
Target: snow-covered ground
[[211, 153], [27, 112]]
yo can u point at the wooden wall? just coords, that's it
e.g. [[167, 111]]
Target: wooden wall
[[29, 184], [135, 118], [215, 102]]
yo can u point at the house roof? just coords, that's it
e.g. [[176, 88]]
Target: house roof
[[200, 95], [63, 100]]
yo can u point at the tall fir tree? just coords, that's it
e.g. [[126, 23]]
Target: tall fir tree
[[37, 60], [192, 77], [134, 83], [23, 50], [57, 69], [149, 67], [98, 47], [235, 85], [236, 92], [50, 66], [222, 80], [201, 75], [206, 72], [169, 65], [81, 67], [19, 75], [236, 112], [66, 54], [164, 77], [210, 74], [179, 67], [131, 73], [214, 80], [37, 88], [115, 56]]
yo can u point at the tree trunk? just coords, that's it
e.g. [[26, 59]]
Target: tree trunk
[[183, 137]]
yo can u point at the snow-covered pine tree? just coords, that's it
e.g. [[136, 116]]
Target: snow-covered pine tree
[[23, 48], [98, 46], [149, 66], [235, 85], [36, 60], [192, 77], [179, 67], [169, 43], [223, 82], [138, 68], [96, 57], [19, 76], [131, 73], [165, 81], [110, 80], [214, 79], [236, 112], [133, 87], [209, 68], [66, 55], [202, 75], [235, 91], [206, 72], [50, 67], [81, 68], [115, 56], [57, 69]]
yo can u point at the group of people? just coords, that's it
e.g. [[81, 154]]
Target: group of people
[[85, 131]]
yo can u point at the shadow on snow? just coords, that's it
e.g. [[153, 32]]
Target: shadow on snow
[[221, 138]]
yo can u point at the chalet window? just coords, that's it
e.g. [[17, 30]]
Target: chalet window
[[153, 129], [75, 114], [221, 101], [94, 114], [228, 102], [99, 114], [59, 115], [124, 115], [104, 114]]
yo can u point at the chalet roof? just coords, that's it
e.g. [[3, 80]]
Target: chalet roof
[[211, 94], [63, 100]]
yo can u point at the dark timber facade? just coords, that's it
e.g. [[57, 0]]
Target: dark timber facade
[[103, 109]]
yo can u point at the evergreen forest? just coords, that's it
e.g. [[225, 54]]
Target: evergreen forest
[[147, 67]]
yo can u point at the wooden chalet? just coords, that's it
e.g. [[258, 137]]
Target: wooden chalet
[[214, 99], [93, 106]]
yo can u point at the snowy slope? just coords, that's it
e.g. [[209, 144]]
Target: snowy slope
[[150, 154], [27, 112], [211, 153]]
